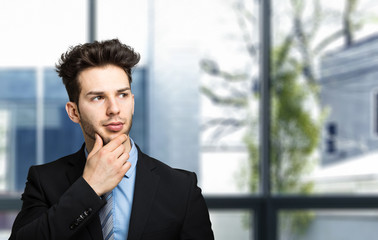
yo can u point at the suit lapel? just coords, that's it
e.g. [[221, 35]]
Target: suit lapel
[[146, 183], [75, 170]]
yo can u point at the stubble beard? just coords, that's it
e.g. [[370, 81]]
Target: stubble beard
[[90, 131]]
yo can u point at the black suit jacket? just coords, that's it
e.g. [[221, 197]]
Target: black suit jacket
[[59, 204]]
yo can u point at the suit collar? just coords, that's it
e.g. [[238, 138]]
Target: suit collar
[[146, 183]]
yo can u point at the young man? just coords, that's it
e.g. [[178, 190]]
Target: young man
[[109, 189]]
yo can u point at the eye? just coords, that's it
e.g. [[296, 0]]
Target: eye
[[123, 95], [97, 98]]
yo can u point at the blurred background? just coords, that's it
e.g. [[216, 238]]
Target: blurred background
[[198, 101]]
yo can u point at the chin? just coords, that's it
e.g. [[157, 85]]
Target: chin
[[108, 138]]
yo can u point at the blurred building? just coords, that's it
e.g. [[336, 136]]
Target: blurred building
[[349, 91]]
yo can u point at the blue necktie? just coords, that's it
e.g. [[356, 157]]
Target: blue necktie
[[106, 217]]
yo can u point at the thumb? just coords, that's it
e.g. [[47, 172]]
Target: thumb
[[97, 145]]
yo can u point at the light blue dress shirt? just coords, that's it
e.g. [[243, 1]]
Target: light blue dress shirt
[[123, 197]]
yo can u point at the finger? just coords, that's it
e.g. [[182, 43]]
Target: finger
[[125, 167], [97, 145], [119, 150], [123, 158], [113, 144]]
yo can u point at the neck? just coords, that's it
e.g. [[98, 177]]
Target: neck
[[127, 145]]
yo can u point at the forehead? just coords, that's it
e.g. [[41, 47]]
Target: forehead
[[105, 78]]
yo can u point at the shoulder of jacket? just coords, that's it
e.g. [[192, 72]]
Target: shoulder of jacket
[[63, 161]]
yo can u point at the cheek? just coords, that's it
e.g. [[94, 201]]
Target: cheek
[[127, 107], [88, 116], [131, 105], [130, 110]]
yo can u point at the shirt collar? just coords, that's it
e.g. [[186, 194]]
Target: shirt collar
[[133, 158]]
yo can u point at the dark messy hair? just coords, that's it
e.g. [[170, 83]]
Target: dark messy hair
[[96, 54]]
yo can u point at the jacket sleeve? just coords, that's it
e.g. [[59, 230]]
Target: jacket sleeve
[[197, 225], [78, 205]]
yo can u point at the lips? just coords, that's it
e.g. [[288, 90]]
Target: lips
[[114, 127]]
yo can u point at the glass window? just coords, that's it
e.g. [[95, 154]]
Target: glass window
[[229, 98], [35, 33], [32, 97], [323, 71], [18, 106], [231, 224], [328, 224], [36, 122], [129, 22], [4, 133], [374, 123], [6, 222]]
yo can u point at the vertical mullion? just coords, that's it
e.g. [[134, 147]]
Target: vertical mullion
[[92, 20], [271, 219], [266, 222], [265, 186], [259, 220], [40, 102], [150, 93]]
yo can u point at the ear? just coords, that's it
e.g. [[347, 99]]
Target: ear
[[73, 112]]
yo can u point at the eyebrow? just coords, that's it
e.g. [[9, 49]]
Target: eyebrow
[[124, 89], [101, 92]]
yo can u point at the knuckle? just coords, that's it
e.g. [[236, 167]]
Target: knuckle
[[102, 152], [111, 156]]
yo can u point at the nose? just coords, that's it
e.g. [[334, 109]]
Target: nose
[[112, 108]]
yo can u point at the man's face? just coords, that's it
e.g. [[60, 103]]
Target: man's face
[[106, 104]]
